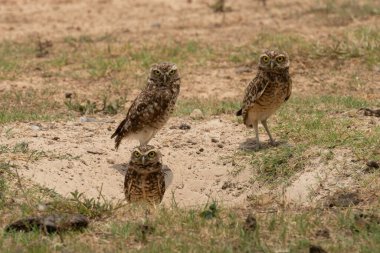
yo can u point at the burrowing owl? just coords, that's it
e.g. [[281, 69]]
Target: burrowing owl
[[151, 109], [145, 178], [270, 88]]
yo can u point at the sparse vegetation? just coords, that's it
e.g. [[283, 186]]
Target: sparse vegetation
[[89, 107], [49, 80], [28, 105], [347, 10], [192, 229]]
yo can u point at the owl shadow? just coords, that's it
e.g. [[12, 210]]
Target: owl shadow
[[122, 168], [250, 144]]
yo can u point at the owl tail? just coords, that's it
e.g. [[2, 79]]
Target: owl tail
[[240, 112], [119, 133]]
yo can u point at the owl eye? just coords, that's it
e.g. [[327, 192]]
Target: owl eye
[[280, 59], [265, 59], [136, 154], [172, 72], [151, 154], [156, 72]]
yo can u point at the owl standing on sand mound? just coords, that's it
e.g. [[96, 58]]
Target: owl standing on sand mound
[[265, 94], [152, 108]]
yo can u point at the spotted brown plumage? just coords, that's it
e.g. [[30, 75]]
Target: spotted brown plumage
[[145, 178], [152, 107], [271, 87]]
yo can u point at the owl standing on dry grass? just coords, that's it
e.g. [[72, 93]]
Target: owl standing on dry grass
[[152, 108], [145, 178], [271, 87]]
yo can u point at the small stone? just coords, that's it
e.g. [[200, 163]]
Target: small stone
[[156, 25], [201, 149], [316, 249], [109, 120], [35, 128], [85, 119], [50, 223], [243, 69], [214, 140], [56, 138], [220, 145], [110, 161], [323, 233], [192, 142], [250, 223], [41, 207], [373, 164], [95, 152], [184, 126], [226, 185], [196, 114], [69, 95], [344, 199]]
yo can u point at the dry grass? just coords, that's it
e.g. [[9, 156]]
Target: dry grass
[[118, 228], [102, 72]]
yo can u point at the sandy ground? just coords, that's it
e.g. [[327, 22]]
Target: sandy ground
[[200, 162], [79, 156]]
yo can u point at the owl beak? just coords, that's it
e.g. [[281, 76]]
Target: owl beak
[[165, 77], [143, 160], [271, 64]]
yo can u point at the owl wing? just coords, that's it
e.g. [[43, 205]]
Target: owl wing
[[253, 92], [146, 109], [289, 90], [161, 184], [127, 185]]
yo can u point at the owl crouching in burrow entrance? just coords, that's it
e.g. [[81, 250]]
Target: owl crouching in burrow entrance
[[145, 178]]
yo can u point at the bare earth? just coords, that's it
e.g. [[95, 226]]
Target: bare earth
[[77, 155]]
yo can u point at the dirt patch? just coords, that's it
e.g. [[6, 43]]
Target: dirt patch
[[74, 155], [80, 156], [325, 174]]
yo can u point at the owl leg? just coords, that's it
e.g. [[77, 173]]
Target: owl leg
[[144, 142], [264, 122], [256, 127], [145, 138]]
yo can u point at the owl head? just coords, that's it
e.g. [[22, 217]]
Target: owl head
[[146, 156], [273, 61], [164, 74]]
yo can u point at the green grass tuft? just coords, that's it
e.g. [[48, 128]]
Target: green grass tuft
[[27, 105]]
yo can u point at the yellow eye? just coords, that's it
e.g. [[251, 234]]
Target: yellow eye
[[265, 59], [151, 154], [156, 72], [280, 59], [172, 72], [136, 154]]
